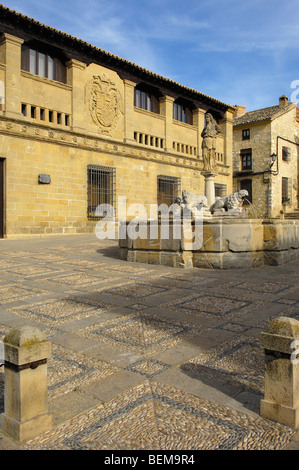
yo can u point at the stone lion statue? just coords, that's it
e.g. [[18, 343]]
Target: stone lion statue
[[231, 202], [194, 200], [194, 204]]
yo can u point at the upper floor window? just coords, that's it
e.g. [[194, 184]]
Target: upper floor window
[[245, 134], [286, 154], [146, 99], [43, 64], [143, 100], [182, 113], [246, 159]]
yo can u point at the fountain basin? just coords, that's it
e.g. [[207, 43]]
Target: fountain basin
[[225, 243]]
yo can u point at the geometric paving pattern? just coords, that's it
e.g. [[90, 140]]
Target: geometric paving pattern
[[115, 305], [55, 312], [263, 287], [209, 305], [135, 290], [75, 280], [138, 332], [158, 417], [240, 359], [12, 292], [148, 367], [68, 370]]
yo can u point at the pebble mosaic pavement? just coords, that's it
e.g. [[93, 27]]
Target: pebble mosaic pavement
[[144, 356]]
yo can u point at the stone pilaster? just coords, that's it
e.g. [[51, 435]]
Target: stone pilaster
[[227, 126], [75, 78], [166, 110], [10, 55], [129, 110]]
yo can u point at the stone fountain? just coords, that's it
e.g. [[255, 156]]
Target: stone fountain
[[207, 232]]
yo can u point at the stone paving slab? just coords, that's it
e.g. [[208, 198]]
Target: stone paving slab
[[145, 356]]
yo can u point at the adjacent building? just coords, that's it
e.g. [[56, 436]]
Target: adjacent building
[[80, 127], [266, 150]]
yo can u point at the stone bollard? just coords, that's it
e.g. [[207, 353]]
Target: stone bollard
[[25, 389], [281, 395]]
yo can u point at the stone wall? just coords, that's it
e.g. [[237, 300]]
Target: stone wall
[[284, 133], [260, 143], [266, 138], [53, 128]]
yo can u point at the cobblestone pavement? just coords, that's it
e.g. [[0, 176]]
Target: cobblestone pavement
[[144, 356]]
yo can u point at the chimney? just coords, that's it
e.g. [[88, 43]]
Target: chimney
[[239, 111], [283, 100]]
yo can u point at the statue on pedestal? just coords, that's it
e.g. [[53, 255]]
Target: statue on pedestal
[[209, 135]]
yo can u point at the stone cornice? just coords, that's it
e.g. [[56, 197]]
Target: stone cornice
[[19, 128]]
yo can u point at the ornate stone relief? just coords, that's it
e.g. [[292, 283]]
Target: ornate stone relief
[[105, 102]]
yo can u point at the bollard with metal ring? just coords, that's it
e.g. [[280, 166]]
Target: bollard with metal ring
[[25, 384]]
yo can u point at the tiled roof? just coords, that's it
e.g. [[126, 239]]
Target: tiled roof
[[264, 114], [30, 24]]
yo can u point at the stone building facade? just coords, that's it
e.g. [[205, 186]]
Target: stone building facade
[[266, 151], [81, 127]]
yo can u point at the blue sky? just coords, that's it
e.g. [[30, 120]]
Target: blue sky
[[240, 52]]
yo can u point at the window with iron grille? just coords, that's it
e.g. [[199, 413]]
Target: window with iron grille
[[169, 188], [101, 188], [220, 190]]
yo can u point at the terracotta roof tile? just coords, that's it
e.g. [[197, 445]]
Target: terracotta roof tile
[[19, 16], [264, 114]]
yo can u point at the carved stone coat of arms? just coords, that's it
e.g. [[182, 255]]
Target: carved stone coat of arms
[[105, 102]]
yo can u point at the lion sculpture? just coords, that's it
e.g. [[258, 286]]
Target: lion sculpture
[[231, 202], [194, 204], [194, 200]]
